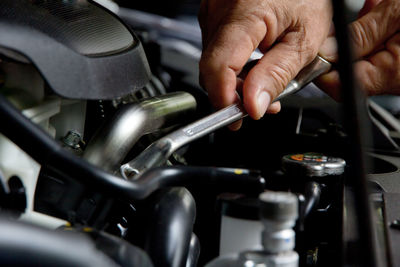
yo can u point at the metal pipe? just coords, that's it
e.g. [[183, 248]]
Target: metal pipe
[[194, 252], [46, 151], [159, 152], [111, 143]]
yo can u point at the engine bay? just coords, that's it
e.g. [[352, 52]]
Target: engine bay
[[85, 182]]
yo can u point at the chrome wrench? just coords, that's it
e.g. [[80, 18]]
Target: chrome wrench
[[159, 152]]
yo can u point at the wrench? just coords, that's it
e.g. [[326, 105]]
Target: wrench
[[159, 152]]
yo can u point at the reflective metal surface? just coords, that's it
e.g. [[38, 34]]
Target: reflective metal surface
[[111, 144], [316, 68], [159, 152]]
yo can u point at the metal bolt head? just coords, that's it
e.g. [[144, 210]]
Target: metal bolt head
[[72, 139], [278, 206]]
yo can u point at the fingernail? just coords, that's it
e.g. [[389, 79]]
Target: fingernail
[[263, 101], [328, 50]]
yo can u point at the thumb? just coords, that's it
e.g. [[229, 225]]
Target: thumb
[[270, 76]]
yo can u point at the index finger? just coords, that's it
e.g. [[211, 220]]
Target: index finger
[[225, 56]]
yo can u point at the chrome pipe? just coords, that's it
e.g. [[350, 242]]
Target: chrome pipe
[[111, 143], [159, 152]]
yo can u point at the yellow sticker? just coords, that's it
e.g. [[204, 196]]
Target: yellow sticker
[[238, 171]]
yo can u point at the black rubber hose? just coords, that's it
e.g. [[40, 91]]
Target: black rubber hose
[[194, 252], [119, 250], [27, 245], [46, 151], [171, 227], [308, 202], [312, 194]]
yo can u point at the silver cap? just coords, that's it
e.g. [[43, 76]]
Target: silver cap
[[278, 206], [259, 258], [312, 165]]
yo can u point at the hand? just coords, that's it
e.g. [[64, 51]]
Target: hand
[[288, 32], [375, 38]]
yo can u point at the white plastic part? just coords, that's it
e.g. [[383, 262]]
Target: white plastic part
[[15, 161], [238, 235], [354, 5], [24, 88]]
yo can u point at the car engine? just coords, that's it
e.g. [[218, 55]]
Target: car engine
[[111, 154]]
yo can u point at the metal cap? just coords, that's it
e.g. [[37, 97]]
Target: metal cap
[[312, 165], [278, 206], [259, 258], [278, 241]]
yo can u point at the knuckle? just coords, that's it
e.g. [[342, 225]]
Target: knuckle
[[357, 35], [393, 47], [305, 46], [306, 50], [281, 76], [245, 28], [363, 33]]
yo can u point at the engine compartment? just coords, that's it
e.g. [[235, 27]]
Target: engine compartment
[[203, 203]]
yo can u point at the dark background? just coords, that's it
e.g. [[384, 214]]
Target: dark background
[[168, 8]]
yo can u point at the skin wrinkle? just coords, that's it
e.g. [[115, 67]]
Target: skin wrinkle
[[272, 29], [362, 38], [370, 74], [393, 46], [376, 41], [228, 46], [279, 79], [393, 49]]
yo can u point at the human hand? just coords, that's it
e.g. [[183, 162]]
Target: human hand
[[375, 38], [288, 32]]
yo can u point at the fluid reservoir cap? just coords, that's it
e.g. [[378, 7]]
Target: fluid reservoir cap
[[312, 165], [278, 206], [263, 259]]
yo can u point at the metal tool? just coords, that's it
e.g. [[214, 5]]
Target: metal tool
[[114, 140], [159, 152]]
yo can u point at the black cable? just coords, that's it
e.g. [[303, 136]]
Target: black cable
[[23, 244], [355, 118], [46, 151], [172, 210], [312, 195]]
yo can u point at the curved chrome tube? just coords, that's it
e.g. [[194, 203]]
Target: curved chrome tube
[[159, 152], [112, 142]]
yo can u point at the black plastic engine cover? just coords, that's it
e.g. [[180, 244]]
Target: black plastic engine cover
[[82, 50]]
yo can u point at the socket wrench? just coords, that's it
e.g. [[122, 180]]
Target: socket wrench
[[159, 152]]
